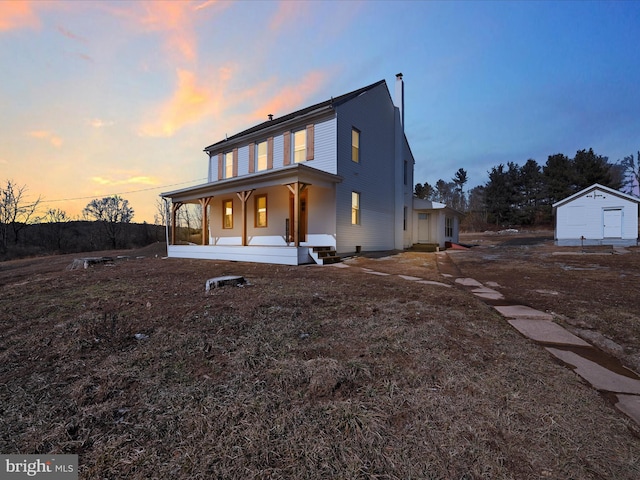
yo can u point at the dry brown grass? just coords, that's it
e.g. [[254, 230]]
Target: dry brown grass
[[309, 372]]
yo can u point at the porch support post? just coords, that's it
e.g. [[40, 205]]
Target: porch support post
[[174, 210], [204, 203], [244, 196]]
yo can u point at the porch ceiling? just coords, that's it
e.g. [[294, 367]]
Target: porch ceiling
[[282, 176]]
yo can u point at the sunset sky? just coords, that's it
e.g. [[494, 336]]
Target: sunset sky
[[117, 97]]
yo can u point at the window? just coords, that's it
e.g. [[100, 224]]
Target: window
[[228, 165], [355, 145], [261, 211], [405, 171], [227, 214], [355, 208], [300, 146], [448, 227], [262, 156], [404, 219]]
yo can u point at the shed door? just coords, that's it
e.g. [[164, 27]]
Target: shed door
[[423, 227], [612, 223]]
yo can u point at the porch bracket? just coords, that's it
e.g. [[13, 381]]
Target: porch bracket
[[175, 206]]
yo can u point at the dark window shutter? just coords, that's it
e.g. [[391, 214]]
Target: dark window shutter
[[287, 148], [252, 157]]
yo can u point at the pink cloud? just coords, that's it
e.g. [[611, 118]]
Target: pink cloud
[[17, 14], [287, 13], [292, 96], [127, 180], [71, 35], [46, 135], [189, 103]]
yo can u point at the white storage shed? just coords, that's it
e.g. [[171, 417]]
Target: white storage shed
[[597, 215]]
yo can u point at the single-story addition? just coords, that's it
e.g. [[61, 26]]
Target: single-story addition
[[331, 179], [435, 223], [597, 215]]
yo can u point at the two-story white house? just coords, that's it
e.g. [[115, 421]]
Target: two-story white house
[[336, 176]]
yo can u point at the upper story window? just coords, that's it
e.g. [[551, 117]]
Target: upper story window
[[261, 164], [228, 165], [299, 146], [355, 145], [227, 214]]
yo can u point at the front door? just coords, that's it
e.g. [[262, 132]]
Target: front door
[[423, 227], [302, 229], [612, 223]]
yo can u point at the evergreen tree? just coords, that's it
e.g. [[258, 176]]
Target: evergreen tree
[[459, 180], [591, 168], [559, 178]]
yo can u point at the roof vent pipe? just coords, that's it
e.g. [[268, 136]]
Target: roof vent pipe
[[399, 97], [270, 116]]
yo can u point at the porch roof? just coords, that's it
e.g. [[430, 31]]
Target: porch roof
[[282, 176], [420, 204]]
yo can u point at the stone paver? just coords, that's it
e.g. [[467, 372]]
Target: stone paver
[[409, 277], [339, 265], [488, 293], [597, 375], [521, 312], [546, 331], [430, 282], [469, 282], [629, 404], [373, 272]]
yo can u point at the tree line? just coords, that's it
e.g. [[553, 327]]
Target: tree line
[[105, 224], [519, 195]]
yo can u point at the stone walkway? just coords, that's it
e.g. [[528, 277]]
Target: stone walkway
[[602, 371]]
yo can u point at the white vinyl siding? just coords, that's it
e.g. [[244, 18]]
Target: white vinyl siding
[[374, 115]]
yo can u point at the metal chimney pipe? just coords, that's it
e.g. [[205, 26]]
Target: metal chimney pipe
[[399, 97]]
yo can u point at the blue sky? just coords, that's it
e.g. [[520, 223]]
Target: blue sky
[[99, 98]]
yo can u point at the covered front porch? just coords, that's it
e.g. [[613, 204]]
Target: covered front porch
[[270, 217]]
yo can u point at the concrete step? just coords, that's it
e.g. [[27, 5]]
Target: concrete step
[[425, 247]]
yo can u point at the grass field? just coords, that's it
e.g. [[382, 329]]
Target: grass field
[[306, 373]]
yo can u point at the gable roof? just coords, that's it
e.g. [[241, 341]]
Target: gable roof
[[326, 105], [596, 186]]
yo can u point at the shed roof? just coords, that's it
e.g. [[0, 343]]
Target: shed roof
[[596, 186]]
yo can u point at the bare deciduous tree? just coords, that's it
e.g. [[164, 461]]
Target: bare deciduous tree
[[57, 219], [16, 211], [112, 212]]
